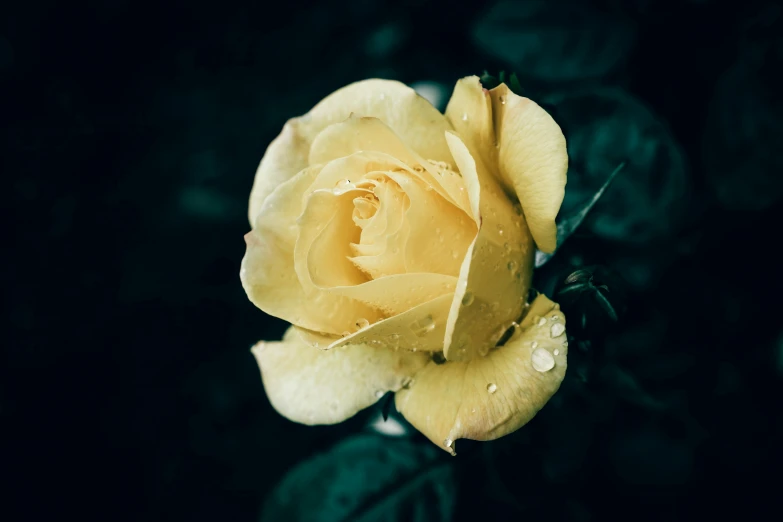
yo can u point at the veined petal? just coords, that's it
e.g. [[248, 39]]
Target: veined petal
[[488, 397], [412, 117], [313, 386], [522, 143]]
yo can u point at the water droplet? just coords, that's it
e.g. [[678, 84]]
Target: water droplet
[[554, 318], [346, 333], [343, 182], [557, 330], [500, 229], [541, 322], [464, 116], [557, 352], [423, 326], [378, 394], [473, 410], [534, 345], [448, 443], [565, 343], [542, 360], [467, 299], [492, 387], [362, 323], [502, 100], [512, 265]]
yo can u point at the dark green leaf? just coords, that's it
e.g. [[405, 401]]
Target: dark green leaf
[[608, 127], [367, 478]]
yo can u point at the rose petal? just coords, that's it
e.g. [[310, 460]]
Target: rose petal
[[495, 275], [420, 328], [371, 134], [321, 258], [395, 294], [267, 270], [412, 117], [314, 386], [525, 145], [488, 397], [440, 232]]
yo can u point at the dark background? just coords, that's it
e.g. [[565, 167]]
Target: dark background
[[130, 136]]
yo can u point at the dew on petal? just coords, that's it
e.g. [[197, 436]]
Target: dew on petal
[[423, 326], [362, 323], [542, 360], [492, 387], [467, 299], [557, 330], [378, 394]]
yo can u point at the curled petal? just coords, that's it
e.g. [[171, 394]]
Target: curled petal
[[520, 141], [489, 397], [412, 117], [495, 275], [313, 386]]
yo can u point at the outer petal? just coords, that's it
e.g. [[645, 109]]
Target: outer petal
[[492, 396], [412, 117], [529, 152], [495, 275], [314, 386]]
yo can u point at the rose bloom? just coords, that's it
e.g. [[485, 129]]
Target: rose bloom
[[399, 244]]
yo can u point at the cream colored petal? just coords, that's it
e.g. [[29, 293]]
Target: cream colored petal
[[533, 159], [313, 386], [325, 232], [357, 135], [519, 141], [420, 328], [267, 270], [440, 232], [470, 113], [384, 238], [399, 293], [491, 396], [411, 117], [495, 275]]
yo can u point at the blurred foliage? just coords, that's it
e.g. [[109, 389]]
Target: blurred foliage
[[131, 137], [555, 41], [367, 478]]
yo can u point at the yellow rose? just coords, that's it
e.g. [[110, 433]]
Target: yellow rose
[[399, 243]]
